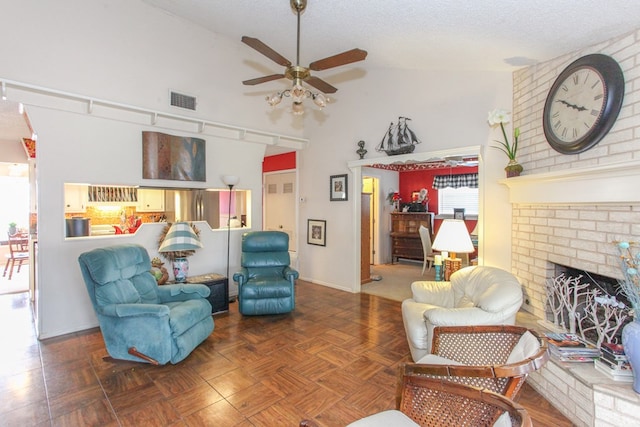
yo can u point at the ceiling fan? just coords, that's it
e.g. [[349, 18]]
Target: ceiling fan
[[453, 161], [299, 74]]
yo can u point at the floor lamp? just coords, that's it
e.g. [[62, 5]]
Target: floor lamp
[[229, 181]]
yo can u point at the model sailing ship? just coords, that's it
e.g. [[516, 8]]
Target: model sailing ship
[[399, 139]]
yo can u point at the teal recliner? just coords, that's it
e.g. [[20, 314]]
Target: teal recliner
[[140, 320], [266, 283]]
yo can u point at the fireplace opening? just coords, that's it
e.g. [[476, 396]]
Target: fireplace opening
[[587, 304]]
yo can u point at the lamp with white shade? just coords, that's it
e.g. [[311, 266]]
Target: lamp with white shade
[[453, 237], [180, 239]]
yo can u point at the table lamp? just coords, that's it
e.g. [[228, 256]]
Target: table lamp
[[180, 238], [453, 237]]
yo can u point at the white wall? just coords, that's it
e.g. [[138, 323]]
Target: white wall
[[125, 51], [448, 110]]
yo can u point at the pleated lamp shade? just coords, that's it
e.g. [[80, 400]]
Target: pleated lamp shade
[[180, 237]]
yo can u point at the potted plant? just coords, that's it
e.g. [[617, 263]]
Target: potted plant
[[501, 117], [12, 228]]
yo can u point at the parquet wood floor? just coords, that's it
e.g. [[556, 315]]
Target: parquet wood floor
[[334, 360]]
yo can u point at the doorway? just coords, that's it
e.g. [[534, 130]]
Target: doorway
[[383, 163], [280, 206]]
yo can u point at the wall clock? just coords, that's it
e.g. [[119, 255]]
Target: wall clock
[[583, 103]]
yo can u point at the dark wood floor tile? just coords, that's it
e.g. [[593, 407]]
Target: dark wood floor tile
[[117, 382], [339, 414], [73, 400], [284, 412], [265, 367], [313, 345], [314, 401], [293, 355], [98, 413], [244, 353], [215, 367], [68, 377], [254, 399], [195, 399], [160, 414], [135, 398], [314, 368], [365, 368], [178, 382], [371, 398], [341, 381], [219, 414], [12, 366], [23, 388], [541, 411], [287, 381], [337, 356], [232, 382], [34, 413]]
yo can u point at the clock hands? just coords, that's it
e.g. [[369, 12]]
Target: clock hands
[[562, 101]]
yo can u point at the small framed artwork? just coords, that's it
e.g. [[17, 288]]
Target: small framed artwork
[[338, 188], [458, 213], [317, 232]]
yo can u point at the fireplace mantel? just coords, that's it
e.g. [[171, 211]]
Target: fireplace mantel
[[610, 183]]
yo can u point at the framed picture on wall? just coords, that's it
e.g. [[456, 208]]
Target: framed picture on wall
[[338, 188], [458, 213], [317, 232]]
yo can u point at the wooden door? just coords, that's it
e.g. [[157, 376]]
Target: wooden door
[[365, 239]]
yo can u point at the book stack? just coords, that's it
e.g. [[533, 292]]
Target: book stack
[[571, 348], [614, 363]]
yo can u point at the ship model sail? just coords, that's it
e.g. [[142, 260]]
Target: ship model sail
[[398, 139]]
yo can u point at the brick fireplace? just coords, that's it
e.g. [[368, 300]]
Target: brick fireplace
[[571, 218]]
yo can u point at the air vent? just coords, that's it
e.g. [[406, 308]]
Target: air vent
[[183, 101]]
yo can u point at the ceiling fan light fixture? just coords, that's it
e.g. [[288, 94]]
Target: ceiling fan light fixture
[[274, 99], [297, 108], [297, 73], [320, 100]]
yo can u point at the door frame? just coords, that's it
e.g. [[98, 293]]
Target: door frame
[[356, 168]]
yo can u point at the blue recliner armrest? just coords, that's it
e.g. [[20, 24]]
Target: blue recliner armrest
[[241, 276], [129, 310], [182, 292], [290, 273]]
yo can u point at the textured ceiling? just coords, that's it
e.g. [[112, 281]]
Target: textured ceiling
[[408, 34], [417, 34]]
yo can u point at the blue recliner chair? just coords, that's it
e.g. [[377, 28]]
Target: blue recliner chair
[[140, 320], [266, 282]]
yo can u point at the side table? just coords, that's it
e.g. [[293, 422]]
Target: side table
[[219, 287]]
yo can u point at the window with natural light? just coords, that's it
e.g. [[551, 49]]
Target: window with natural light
[[454, 198], [15, 192]]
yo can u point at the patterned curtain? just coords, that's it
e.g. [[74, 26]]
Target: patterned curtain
[[456, 181]]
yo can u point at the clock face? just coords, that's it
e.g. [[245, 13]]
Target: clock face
[[583, 104], [577, 105]]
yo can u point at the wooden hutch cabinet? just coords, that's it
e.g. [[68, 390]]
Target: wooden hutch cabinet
[[405, 238]]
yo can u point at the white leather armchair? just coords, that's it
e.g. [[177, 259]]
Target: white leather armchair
[[476, 295]]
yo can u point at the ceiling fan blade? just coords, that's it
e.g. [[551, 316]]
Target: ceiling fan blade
[[353, 55], [264, 79], [266, 51], [320, 84]]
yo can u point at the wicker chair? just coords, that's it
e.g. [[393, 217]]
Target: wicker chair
[[482, 352], [435, 402]]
